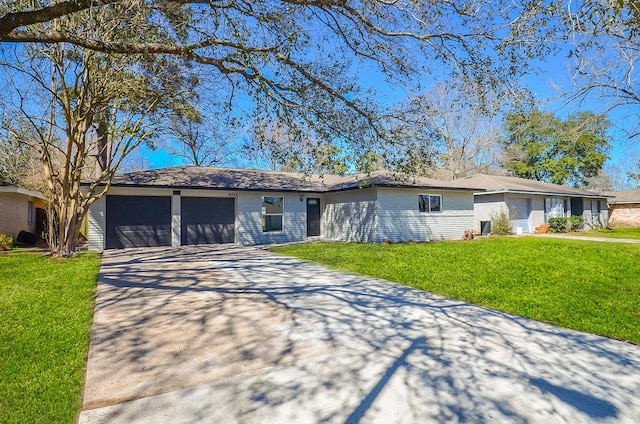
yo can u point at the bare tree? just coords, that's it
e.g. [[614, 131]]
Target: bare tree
[[604, 58], [211, 140], [451, 133], [296, 59], [65, 93]]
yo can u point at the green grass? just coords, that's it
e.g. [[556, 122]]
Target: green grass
[[584, 285], [46, 309], [625, 233]]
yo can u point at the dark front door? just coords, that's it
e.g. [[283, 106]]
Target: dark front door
[[207, 220], [138, 221], [577, 206], [313, 217]]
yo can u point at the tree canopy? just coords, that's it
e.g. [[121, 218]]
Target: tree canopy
[[302, 61], [540, 146]]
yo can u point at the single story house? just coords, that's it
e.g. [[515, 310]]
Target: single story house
[[187, 205], [531, 203], [624, 208], [21, 210]]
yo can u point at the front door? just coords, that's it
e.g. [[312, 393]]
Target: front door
[[313, 217]]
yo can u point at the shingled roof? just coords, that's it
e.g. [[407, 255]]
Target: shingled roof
[[191, 177], [505, 184], [624, 196]]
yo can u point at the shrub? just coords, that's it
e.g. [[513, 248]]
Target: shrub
[[557, 225], [501, 223], [576, 223], [6, 242], [564, 225]]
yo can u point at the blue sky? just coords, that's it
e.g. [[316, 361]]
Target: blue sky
[[553, 72]]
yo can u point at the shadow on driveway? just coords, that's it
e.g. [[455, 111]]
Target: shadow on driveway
[[236, 334]]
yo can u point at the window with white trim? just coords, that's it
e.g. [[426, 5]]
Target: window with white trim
[[430, 203], [554, 207], [595, 210], [272, 213]]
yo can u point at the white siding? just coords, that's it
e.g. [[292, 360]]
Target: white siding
[[537, 211], [176, 220], [249, 219], [595, 220], [97, 225], [350, 216], [399, 218], [486, 206]]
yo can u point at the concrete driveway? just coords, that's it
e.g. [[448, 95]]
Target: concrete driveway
[[235, 334]]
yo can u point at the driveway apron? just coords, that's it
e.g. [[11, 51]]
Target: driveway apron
[[232, 334]]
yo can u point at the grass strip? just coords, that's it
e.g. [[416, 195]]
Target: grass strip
[[617, 232], [46, 309], [584, 285]]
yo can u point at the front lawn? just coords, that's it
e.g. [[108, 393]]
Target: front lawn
[[584, 285], [624, 233], [46, 308]]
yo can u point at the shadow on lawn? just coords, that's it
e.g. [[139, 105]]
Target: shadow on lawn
[[330, 347]]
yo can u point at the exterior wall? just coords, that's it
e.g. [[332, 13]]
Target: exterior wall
[[624, 215], [350, 216], [536, 216], [249, 218], [14, 214], [96, 225], [97, 212], [485, 206], [595, 220], [399, 218]]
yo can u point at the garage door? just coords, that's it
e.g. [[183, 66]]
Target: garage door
[[138, 221], [207, 220]]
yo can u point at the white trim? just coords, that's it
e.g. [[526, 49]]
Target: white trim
[[541, 193], [263, 213], [20, 190]]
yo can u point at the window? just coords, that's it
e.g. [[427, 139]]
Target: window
[[595, 210], [30, 213], [272, 212], [430, 203], [554, 207]]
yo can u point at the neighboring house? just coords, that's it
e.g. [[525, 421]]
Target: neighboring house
[[20, 210], [624, 208], [201, 205], [531, 203]]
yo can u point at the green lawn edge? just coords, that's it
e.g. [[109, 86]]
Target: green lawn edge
[[584, 285], [46, 313], [632, 233]]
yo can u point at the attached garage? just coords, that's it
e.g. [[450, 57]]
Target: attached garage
[[138, 221], [207, 220]]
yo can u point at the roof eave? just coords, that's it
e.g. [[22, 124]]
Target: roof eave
[[542, 193], [23, 191]]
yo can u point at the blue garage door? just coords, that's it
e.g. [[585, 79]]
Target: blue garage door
[[138, 221], [207, 220]]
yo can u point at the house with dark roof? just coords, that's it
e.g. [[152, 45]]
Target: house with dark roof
[[624, 208], [531, 203], [201, 205], [21, 210]]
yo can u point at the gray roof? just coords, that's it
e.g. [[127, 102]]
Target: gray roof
[[506, 184], [257, 180], [7, 187], [624, 196]]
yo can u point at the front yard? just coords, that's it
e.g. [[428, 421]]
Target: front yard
[[585, 285], [623, 233], [46, 308]]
